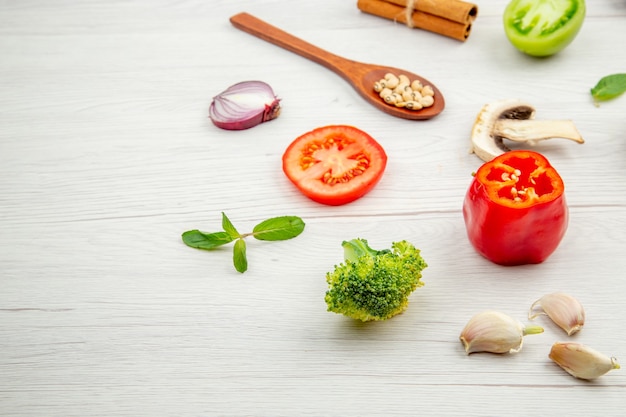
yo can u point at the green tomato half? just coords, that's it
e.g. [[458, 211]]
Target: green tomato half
[[543, 27]]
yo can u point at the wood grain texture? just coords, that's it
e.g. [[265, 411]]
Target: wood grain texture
[[107, 156]]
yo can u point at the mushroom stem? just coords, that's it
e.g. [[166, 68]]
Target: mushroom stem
[[532, 131]]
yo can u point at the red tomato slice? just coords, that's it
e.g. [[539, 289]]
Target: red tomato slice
[[334, 165]]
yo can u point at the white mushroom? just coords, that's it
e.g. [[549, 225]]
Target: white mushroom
[[514, 120]]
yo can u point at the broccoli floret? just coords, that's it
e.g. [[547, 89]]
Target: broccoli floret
[[374, 284]]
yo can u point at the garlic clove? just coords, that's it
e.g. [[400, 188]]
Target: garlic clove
[[495, 332], [581, 361], [563, 309]]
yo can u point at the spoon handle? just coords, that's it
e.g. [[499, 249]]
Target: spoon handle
[[257, 27]]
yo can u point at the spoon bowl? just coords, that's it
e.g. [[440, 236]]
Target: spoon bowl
[[360, 75]]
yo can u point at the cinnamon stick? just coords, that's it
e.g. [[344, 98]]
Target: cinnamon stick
[[455, 10], [419, 19]]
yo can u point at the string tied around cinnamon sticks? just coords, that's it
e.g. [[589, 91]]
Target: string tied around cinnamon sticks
[[408, 13], [451, 18]]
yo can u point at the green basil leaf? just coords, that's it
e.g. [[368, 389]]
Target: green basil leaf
[[609, 87], [229, 227], [239, 256], [279, 228], [199, 240]]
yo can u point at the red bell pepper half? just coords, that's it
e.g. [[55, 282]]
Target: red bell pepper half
[[515, 210]]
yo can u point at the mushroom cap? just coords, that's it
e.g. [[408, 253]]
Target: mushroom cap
[[487, 143]]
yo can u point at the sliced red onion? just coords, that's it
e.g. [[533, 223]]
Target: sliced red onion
[[244, 105]]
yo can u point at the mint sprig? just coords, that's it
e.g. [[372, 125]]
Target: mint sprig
[[276, 228]]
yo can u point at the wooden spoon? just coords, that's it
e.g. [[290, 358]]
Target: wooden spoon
[[360, 75]]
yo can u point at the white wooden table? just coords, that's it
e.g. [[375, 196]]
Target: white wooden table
[[107, 156]]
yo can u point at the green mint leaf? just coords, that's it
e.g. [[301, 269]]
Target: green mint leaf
[[228, 227], [278, 228], [199, 240], [609, 87], [239, 256]]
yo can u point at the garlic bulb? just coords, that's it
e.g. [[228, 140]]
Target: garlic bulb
[[563, 309], [581, 361], [495, 332]]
